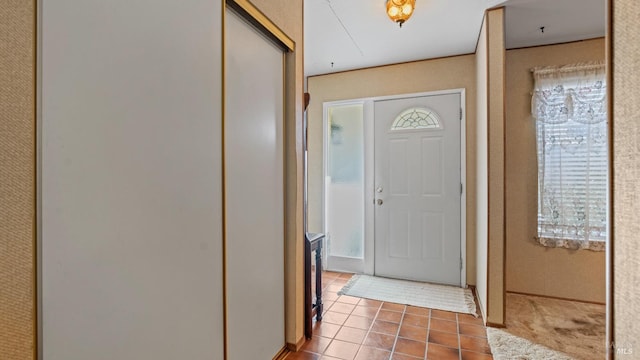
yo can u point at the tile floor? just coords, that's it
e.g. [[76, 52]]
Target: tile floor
[[362, 329]]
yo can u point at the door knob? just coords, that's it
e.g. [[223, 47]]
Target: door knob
[[379, 201]]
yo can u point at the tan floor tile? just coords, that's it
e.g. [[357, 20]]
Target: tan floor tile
[[368, 312], [342, 350], [348, 299], [393, 306], [359, 322], [386, 327], [329, 296], [325, 329], [445, 315], [317, 344], [473, 330], [413, 332], [418, 310], [415, 320], [334, 287], [302, 355], [410, 347], [330, 273], [439, 352], [391, 316], [370, 303], [466, 318], [326, 278], [333, 317], [369, 353], [326, 306], [352, 335], [343, 308], [380, 341], [398, 356], [443, 325], [443, 338]]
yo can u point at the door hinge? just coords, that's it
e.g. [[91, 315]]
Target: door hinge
[[461, 189], [460, 263], [460, 114]]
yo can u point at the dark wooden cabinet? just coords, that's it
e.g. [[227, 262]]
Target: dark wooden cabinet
[[313, 304]]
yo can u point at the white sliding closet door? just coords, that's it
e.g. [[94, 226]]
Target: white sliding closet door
[[130, 235], [254, 178]]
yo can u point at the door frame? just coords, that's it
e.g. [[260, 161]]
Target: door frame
[[367, 266], [271, 32]]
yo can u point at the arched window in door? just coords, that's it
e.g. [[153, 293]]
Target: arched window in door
[[417, 118]]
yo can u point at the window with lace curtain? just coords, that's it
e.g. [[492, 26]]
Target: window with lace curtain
[[570, 110]]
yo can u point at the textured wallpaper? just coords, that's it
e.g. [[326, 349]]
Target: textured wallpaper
[[17, 139], [495, 255], [626, 178]]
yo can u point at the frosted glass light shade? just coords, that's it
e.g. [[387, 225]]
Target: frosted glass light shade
[[400, 11]]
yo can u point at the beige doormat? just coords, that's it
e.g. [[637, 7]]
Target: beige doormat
[[505, 346], [433, 296]]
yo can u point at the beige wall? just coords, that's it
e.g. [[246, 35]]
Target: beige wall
[[414, 77], [490, 162], [532, 268], [482, 169], [288, 16], [17, 179], [496, 56], [626, 175]]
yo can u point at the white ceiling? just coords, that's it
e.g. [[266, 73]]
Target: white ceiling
[[563, 21], [351, 34]]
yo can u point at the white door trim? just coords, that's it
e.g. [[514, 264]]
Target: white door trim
[[369, 133]]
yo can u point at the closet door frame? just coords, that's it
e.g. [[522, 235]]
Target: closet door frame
[[248, 12]]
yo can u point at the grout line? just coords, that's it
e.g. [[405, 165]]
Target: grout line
[[458, 331], [426, 350], [395, 341], [370, 327], [324, 289]]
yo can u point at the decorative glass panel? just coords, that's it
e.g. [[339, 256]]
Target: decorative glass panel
[[345, 181], [417, 118]]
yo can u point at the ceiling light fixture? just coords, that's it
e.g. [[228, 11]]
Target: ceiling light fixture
[[400, 10]]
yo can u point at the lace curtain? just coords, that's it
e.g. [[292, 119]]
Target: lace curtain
[[569, 106]]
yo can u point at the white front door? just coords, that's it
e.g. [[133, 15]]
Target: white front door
[[417, 188]]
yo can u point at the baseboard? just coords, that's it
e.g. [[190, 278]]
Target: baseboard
[[556, 298], [474, 290], [297, 346], [282, 353], [494, 325]]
